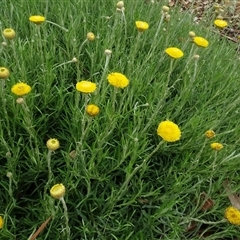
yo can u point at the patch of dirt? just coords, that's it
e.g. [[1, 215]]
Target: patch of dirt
[[228, 10]]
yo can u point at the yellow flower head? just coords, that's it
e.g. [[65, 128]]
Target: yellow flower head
[[92, 110], [90, 36], [118, 80], [4, 73], [200, 41], [53, 144], [37, 19], [86, 87], [21, 89], [174, 52], [1, 222], [216, 146], [58, 191], [220, 23], [9, 33], [210, 134], [169, 131], [141, 26], [232, 214]]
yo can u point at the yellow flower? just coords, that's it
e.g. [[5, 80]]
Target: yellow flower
[[169, 131], [37, 19], [141, 26], [210, 133], [92, 110], [9, 33], [21, 89], [4, 73], [118, 80], [90, 36], [1, 222], [232, 214], [200, 41], [220, 23], [174, 52], [58, 191], [86, 87], [216, 146], [53, 144]]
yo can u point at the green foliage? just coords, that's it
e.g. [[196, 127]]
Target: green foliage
[[122, 181]]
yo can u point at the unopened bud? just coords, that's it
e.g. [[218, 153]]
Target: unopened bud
[[165, 9], [196, 57], [120, 4], [20, 101], [192, 34], [74, 60], [108, 52]]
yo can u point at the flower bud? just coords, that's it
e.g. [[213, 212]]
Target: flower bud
[[9, 33], [167, 17], [74, 60], [20, 100], [92, 110], [165, 9], [9, 174], [196, 57], [53, 144], [58, 191], [90, 36], [108, 52], [4, 73], [210, 134], [192, 34], [120, 4]]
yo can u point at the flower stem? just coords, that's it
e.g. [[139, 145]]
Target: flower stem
[[66, 217], [50, 174], [63, 28]]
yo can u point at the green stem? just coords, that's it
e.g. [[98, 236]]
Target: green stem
[[50, 174], [63, 28], [66, 217]]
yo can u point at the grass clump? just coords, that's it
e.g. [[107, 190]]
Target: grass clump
[[116, 103]]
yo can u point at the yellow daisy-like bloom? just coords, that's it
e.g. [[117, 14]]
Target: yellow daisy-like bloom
[[141, 26], [169, 131], [37, 19], [58, 191], [232, 214], [1, 222], [174, 52], [53, 144], [92, 110], [21, 89], [4, 73], [216, 146], [220, 23], [86, 87], [210, 133], [9, 33], [200, 41], [118, 80], [90, 36]]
